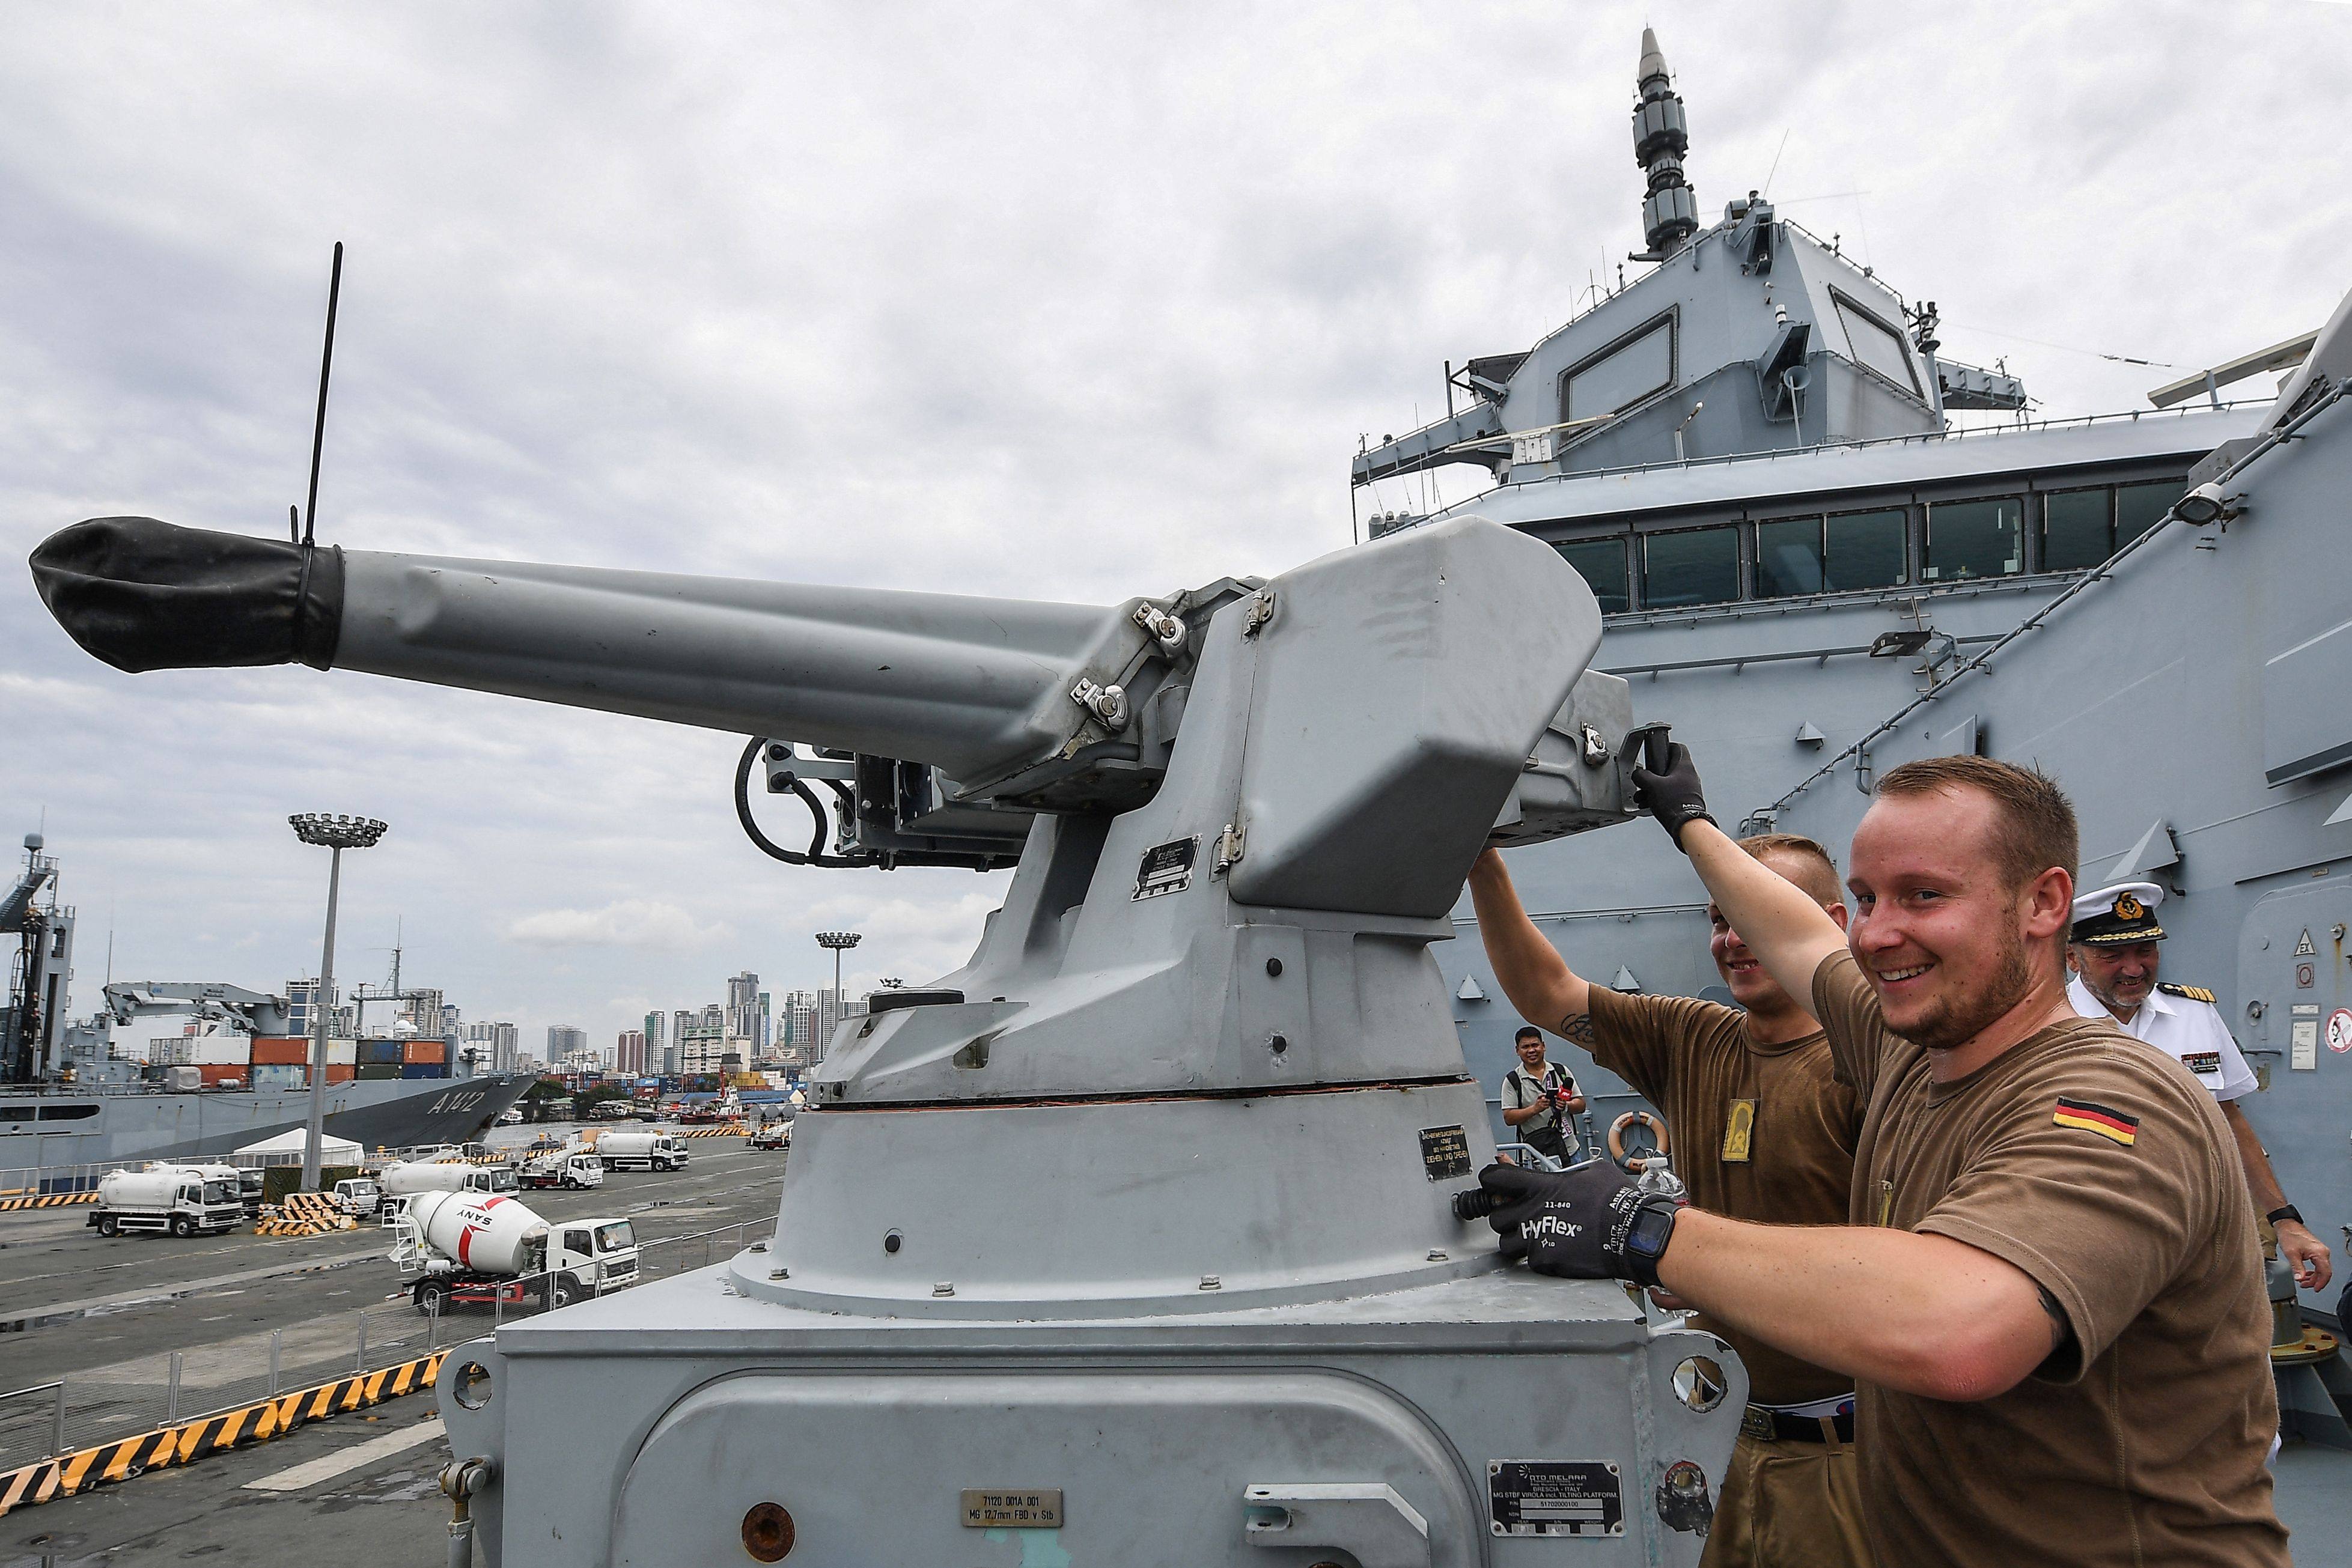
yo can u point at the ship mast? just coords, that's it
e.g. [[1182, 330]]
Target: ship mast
[[1661, 138]]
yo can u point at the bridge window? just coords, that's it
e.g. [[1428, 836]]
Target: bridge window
[[2138, 507], [1969, 540], [1620, 376], [1601, 563], [1869, 550], [1691, 566], [1831, 554], [2080, 528]]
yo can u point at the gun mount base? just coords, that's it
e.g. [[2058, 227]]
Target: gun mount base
[[1139, 1441]]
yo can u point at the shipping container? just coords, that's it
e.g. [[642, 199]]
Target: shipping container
[[279, 1052], [279, 1075], [223, 1074], [416, 1051], [337, 1073], [227, 1049], [380, 1050], [424, 1070], [373, 1070], [341, 1052]]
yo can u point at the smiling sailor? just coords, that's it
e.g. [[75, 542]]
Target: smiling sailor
[[2112, 950]]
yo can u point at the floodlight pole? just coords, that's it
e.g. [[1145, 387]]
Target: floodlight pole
[[321, 1018], [840, 942], [336, 834]]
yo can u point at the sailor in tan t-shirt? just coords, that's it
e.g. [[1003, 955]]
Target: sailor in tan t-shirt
[[1764, 1131], [2049, 1290]]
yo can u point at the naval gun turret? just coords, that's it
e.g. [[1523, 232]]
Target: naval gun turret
[[1137, 1229]]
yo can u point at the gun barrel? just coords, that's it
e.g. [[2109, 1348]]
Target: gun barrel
[[968, 685]]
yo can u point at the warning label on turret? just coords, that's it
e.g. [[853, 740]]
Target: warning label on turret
[[1554, 1496]]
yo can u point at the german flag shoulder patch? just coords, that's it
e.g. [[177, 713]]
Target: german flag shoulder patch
[[2095, 1118], [2194, 993]]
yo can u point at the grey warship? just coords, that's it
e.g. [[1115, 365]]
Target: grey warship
[[1812, 573], [70, 1106]]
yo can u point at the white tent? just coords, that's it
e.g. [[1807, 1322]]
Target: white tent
[[286, 1149]]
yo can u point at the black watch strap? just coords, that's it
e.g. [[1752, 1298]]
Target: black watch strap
[[2285, 1211], [1639, 1260]]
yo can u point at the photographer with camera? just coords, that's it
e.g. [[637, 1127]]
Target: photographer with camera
[[1539, 1096]]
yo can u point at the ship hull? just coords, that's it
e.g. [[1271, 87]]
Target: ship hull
[[57, 1131]]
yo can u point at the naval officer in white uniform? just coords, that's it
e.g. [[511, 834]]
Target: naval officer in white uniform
[[2112, 951]]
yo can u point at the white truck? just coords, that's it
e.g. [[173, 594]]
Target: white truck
[[467, 1248], [186, 1200], [563, 1169], [406, 1178], [623, 1151], [358, 1197]]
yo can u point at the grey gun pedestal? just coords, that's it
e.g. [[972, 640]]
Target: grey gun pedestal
[[1380, 1430]]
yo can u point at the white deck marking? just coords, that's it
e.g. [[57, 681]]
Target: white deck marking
[[343, 1461]]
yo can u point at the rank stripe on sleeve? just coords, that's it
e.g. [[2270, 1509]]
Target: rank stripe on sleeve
[[2095, 1118]]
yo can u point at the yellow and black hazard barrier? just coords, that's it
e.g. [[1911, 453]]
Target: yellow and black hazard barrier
[[726, 1129], [303, 1213], [46, 1200], [122, 1457]]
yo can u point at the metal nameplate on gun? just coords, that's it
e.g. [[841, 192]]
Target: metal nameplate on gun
[[1038, 1508], [1445, 1153], [1166, 868], [1554, 1496]]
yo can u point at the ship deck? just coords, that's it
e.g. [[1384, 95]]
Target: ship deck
[[104, 1315]]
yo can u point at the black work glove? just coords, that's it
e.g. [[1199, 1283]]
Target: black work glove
[[1673, 796], [1575, 1223]]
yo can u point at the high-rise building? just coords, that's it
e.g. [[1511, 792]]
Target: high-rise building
[[669, 1061], [702, 1042], [766, 1033], [654, 1033], [425, 1010], [629, 1054], [742, 1005], [299, 996], [500, 1046], [678, 1021], [564, 1040], [796, 1038]]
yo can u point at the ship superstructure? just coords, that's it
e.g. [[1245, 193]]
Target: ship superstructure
[[1813, 573]]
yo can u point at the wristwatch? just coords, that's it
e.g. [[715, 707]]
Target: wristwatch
[[1651, 1228], [2285, 1211]]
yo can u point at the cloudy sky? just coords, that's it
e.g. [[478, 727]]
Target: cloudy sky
[[1048, 301]]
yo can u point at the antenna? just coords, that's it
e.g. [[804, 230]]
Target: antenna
[[1776, 161], [326, 368]]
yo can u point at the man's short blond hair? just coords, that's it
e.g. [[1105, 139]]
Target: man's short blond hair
[[1804, 863], [2034, 823]]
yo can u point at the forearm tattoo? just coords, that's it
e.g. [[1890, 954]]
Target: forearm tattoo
[[1578, 1027]]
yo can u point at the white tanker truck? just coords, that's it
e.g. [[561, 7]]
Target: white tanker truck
[[476, 1249], [184, 1199]]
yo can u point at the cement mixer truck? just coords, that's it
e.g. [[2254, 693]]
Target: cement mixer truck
[[470, 1249]]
